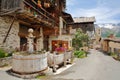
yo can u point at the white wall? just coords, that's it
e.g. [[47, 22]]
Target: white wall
[[62, 37], [40, 41]]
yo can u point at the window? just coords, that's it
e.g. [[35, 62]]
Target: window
[[0, 5], [109, 49]]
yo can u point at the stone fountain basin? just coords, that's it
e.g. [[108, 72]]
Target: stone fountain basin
[[32, 63]]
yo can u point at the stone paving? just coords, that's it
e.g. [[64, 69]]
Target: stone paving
[[96, 66]]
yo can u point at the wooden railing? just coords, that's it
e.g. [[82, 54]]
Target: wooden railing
[[11, 6], [39, 11]]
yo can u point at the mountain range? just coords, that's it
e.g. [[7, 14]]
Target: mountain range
[[109, 28]]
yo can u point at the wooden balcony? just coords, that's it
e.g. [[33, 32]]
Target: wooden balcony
[[28, 11], [65, 32], [51, 31]]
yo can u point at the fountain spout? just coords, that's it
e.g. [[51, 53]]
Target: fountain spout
[[30, 41]]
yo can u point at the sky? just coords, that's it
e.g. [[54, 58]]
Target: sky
[[105, 11]]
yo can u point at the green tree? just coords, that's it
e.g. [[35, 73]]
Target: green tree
[[81, 39]]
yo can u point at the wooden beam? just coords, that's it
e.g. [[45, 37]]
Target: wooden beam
[[32, 20], [10, 12], [24, 23], [37, 10], [9, 30], [66, 16], [43, 14], [22, 34]]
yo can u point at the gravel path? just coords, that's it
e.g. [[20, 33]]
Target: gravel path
[[96, 66]]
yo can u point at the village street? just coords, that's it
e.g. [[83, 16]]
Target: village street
[[39, 38], [96, 66]]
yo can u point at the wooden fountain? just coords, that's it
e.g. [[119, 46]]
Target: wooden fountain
[[29, 63]]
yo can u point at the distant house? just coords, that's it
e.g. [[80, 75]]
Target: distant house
[[111, 45], [85, 23]]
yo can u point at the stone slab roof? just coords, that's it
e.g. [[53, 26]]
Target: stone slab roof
[[84, 19], [112, 39]]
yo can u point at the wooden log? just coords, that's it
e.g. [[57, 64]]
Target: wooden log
[[54, 68], [65, 58], [24, 23], [30, 63]]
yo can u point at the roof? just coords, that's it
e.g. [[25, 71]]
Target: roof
[[84, 19], [68, 18], [112, 39]]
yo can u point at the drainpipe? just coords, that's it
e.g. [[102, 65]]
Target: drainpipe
[[60, 26]]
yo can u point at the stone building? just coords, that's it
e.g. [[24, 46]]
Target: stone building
[[13, 39], [66, 33], [46, 17], [111, 45], [86, 24]]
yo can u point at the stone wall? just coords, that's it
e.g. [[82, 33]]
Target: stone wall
[[13, 39], [62, 37], [110, 45], [114, 45], [7, 61]]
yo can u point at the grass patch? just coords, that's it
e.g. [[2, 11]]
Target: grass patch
[[4, 54], [41, 76], [115, 56], [80, 54]]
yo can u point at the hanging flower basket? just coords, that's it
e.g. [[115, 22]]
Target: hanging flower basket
[[60, 50], [39, 4], [46, 5]]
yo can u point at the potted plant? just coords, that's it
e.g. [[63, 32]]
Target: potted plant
[[60, 49], [5, 58]]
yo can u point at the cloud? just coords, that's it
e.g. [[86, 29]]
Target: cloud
[[101, 14], [104, 12], [71, 2]]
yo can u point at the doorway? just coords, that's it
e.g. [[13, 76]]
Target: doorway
[[46, 43], [23, 32]]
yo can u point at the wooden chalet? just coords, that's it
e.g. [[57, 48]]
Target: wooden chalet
[[18, 16], [85, 23], [65, 36]]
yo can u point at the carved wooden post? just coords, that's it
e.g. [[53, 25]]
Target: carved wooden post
[[72, 56], [65, 58], [54, 68]]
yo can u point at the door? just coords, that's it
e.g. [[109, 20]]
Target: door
[[46, 43]]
